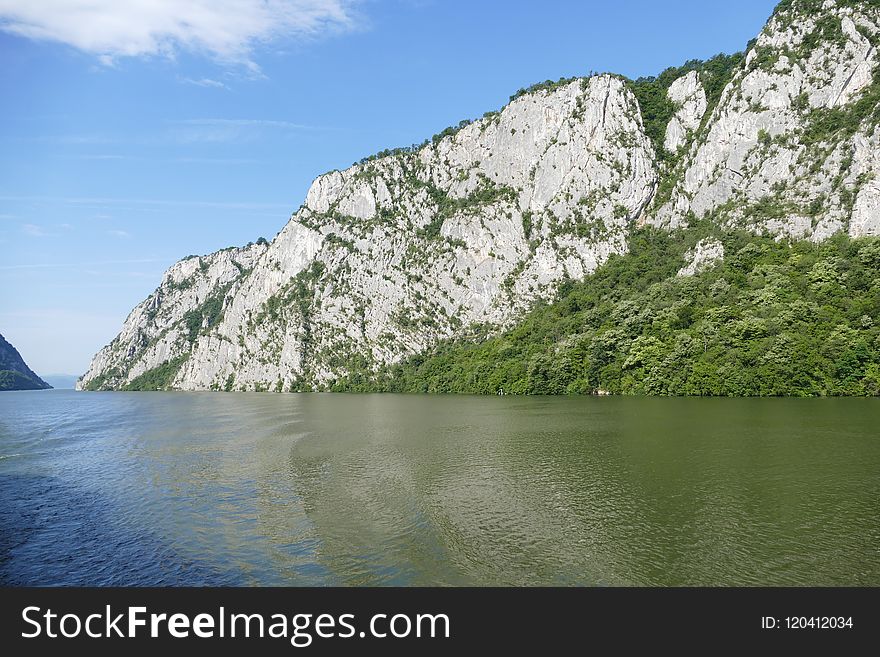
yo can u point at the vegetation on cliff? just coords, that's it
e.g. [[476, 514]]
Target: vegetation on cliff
[[773, 318]]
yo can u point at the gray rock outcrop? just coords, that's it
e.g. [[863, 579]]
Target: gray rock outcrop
[[789, 150], [689, 97]]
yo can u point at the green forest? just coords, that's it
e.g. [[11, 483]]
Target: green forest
[[773, 318], [12, 380]]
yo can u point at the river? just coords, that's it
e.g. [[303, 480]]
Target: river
[[176, 488]]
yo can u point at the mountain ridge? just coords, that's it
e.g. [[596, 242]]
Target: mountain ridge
[[472, 228], [14, 372]]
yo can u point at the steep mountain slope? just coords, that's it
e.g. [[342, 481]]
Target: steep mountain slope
[[14, 372], [793, 146], [462, 235], [160, 331], [397, 252]]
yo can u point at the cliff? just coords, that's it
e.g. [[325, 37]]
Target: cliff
[[465, 233]]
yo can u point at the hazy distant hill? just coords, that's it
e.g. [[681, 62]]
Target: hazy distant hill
[[61, 381]]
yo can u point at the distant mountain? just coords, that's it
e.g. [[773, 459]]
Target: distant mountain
[[14, 372], [61, 381]]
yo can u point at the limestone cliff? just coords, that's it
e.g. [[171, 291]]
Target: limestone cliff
[[389, 256], [400, 251], [689, 97], [792, 147]]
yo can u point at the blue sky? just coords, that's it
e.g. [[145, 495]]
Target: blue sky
[[133, 134]]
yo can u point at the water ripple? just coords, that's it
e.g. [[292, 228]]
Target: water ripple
[[250, 489]]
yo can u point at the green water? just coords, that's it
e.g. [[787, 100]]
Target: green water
[[202, 488]]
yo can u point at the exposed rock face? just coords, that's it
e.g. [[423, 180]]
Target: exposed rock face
[[391, 255], [14, 372], [789, 149], [706, 253], [157, 330], [690, 100]]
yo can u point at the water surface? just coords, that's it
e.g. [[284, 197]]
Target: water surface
[[265, 489]]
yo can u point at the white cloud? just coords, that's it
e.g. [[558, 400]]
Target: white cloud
[[121, 234], [205, 82], [34, 230], [225, 29]]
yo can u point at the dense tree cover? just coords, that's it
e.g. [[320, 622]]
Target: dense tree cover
[[158, 378], [14, 372], [771, 319], [12, 380]]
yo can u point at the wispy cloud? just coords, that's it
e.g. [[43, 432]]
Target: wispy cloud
[[73, 140], [102, 157], [228, 130], [102, 201], [205, 82], [185, 131], [33, 230], [216, 160], [120, 234], [227, 30], [185, 160], [67, 265], [260, 123]]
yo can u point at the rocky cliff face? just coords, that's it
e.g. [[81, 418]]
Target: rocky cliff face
[[14, 372], [388, 257], [689, 97], [792, 147]]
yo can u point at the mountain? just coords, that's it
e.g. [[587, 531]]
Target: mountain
[[14, 372], [430, 254]]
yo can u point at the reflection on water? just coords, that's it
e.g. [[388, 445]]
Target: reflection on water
[[243, 489]]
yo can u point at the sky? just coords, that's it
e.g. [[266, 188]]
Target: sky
[[136, 132]]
